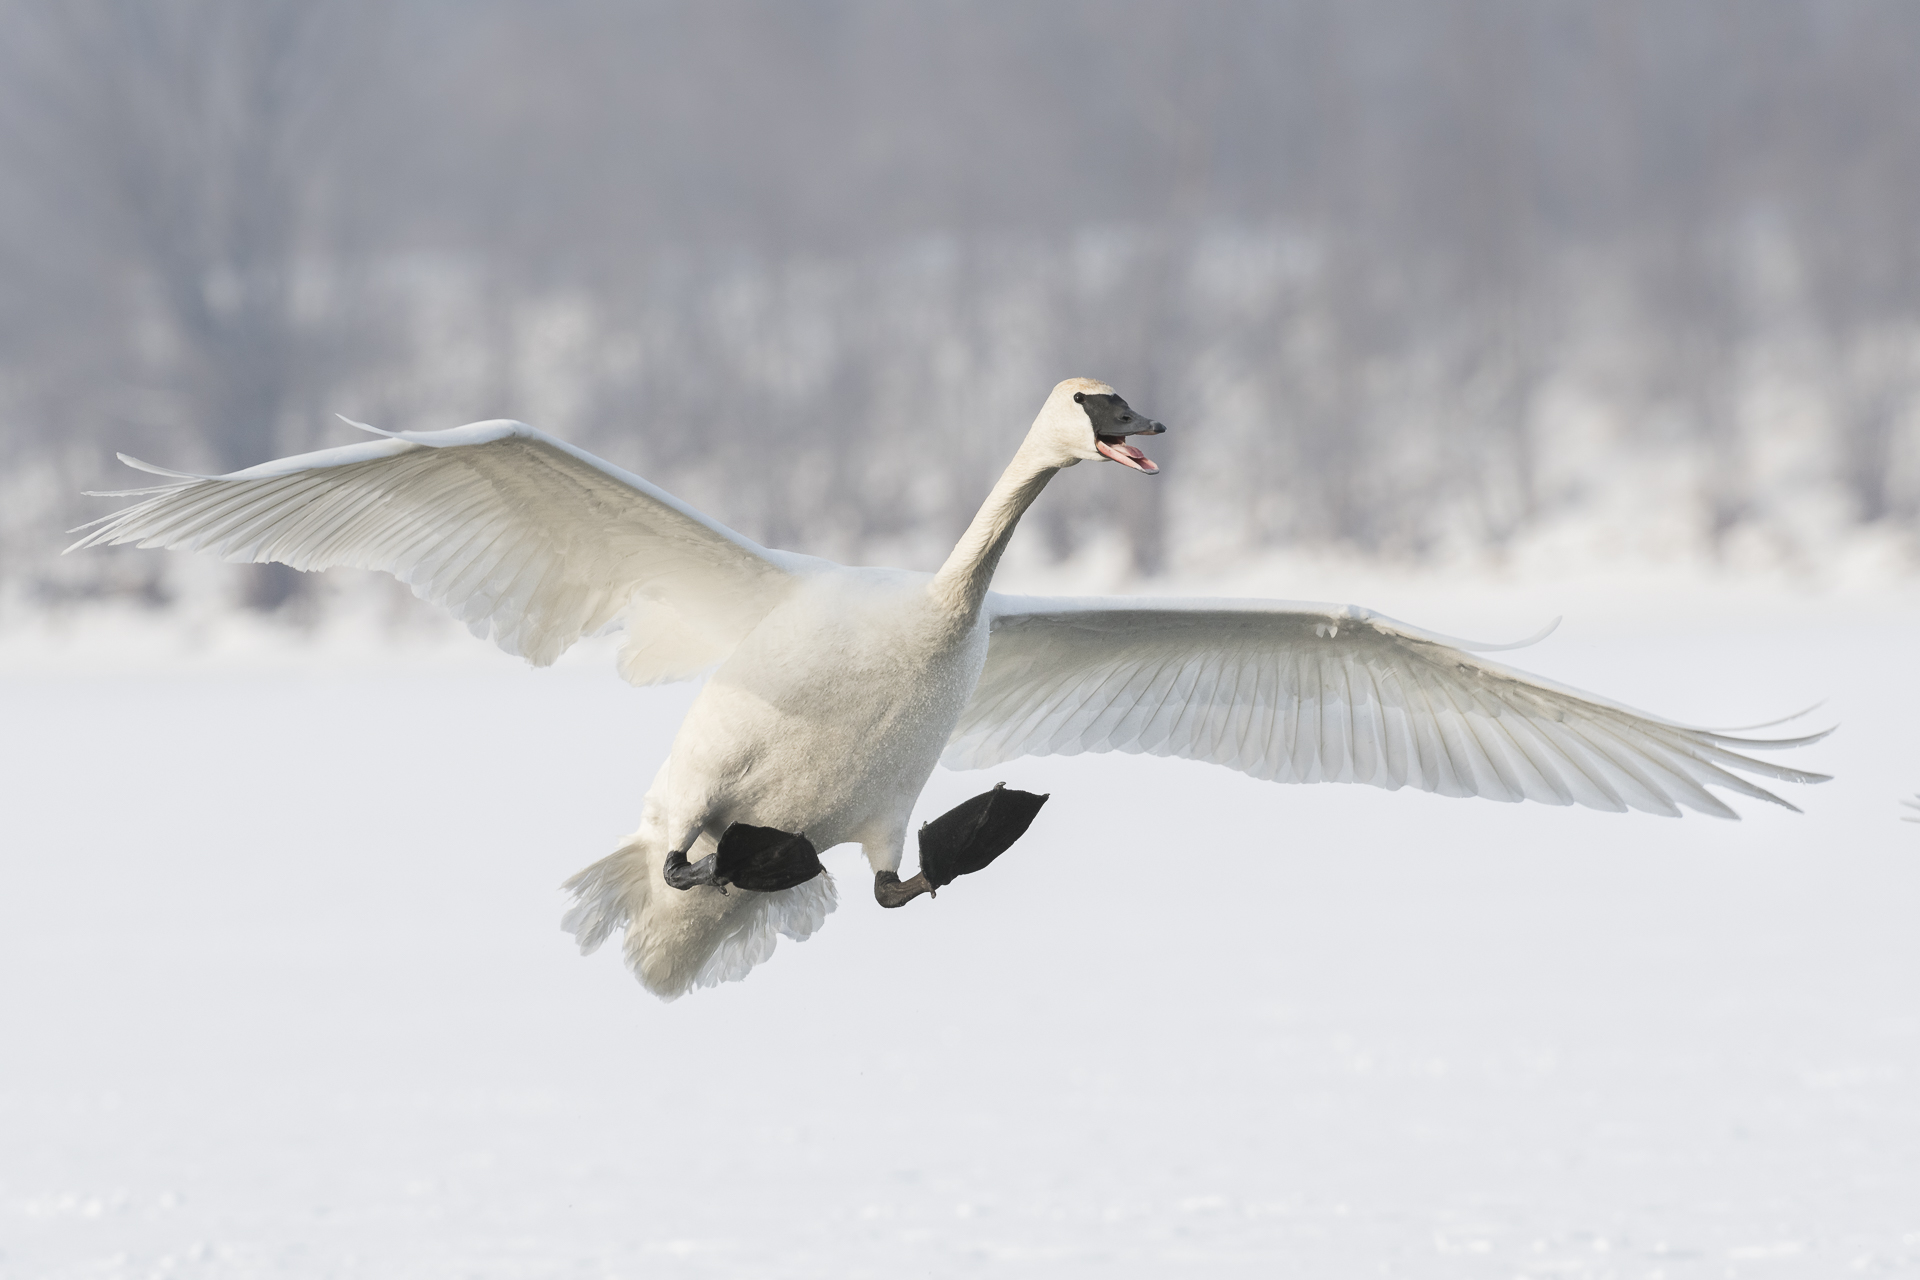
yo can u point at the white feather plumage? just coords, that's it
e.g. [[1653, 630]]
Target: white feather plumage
[[1292, 692], [529, 541]]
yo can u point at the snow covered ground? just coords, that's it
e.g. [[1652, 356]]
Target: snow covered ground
[[284, 993]]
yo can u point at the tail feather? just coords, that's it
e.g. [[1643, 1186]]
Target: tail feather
[[679, 940], [600, 895]]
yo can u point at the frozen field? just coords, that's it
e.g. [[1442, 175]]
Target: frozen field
[[284, 994]]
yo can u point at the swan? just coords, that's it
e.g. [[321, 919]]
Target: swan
[[831, 692]]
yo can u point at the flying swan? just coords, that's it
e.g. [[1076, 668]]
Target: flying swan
[[834, 691]]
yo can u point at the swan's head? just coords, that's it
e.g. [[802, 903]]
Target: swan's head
[[1084, 421]]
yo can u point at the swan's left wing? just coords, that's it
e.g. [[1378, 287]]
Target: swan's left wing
[[1328, 693], [528, 540]]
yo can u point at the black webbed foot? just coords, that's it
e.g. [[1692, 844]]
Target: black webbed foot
[[764, 859], [759, 858], [969, 836]]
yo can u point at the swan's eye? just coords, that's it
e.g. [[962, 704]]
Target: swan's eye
[[1079, 397], [1126, 417]]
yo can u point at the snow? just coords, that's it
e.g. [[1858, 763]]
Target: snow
[[286, 993]]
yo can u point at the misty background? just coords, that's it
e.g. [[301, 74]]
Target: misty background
[[1413, 279]]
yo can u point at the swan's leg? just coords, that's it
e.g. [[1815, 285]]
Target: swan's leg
[[889, 890], [883, 855], [763, 859], [963, 840], [679, 873]]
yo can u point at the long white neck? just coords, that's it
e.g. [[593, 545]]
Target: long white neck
[[962, 582]]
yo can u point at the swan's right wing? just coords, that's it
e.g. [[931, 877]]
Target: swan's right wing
[[529, 541], [1328, 693]]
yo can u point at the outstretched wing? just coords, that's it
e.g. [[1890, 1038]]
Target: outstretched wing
[[1328, 693], [529, 541]]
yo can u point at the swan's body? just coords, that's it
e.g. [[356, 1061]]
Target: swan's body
[[830, 716], [835, 691]]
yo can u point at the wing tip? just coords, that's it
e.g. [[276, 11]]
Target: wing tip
[[154, 470], [366, 427], [1380, 621], [1786, 719], [1768, 744], [1527, 643]]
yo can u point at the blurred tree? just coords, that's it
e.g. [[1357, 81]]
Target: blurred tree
[[796, 259], [184, 142]]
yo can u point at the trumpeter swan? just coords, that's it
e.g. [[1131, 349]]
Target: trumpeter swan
[[834, 691]]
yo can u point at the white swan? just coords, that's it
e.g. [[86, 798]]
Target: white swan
[[834, 691]]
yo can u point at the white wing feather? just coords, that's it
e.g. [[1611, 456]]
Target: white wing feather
[[1327, 693], [529, 541]]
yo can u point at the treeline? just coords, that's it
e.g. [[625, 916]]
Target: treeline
[[1407, 275]]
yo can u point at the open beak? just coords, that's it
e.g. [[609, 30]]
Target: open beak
[[1117, 449]]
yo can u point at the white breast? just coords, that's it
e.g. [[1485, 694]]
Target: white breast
[[830, 716]]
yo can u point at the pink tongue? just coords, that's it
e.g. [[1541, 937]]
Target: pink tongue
[[1127, 455]]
